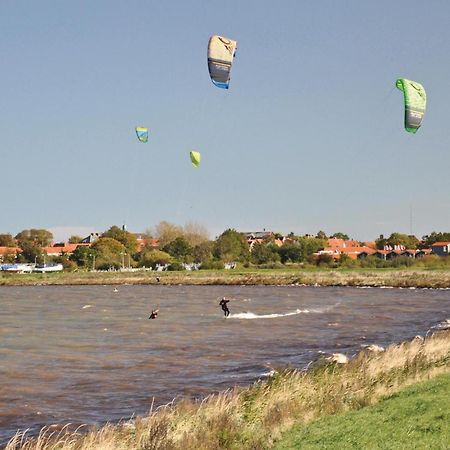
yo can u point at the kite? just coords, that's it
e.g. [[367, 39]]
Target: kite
[[195, 158], [415, 100], [142, 134], [221, 51]]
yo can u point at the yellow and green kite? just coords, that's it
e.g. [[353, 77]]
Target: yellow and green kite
[[415, 99]]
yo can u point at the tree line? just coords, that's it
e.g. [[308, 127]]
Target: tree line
[[176, 246]]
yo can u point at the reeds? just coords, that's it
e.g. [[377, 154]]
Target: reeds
[[253, 418]]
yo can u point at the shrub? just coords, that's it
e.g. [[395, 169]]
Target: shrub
[[212, 265], [175, 266]]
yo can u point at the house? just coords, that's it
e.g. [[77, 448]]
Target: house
[[258, 237], [61, 248], [441, 248], [409, 253], [351, 248], [381, 254], [336, 243], [393, 253], [423, 252], [91, 238], [144, 240], [4, 251], [258, 234]]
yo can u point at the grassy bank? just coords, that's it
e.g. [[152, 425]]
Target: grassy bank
[[416, 417], [256, 417], [434, 278]]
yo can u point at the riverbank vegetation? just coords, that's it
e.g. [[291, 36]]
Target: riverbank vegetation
[[293, 275], [257, 417]]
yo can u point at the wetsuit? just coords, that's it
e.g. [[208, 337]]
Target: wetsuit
[[153, 315], [223, 304]]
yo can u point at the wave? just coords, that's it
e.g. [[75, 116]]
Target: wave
[[249, 315], [444, 325]]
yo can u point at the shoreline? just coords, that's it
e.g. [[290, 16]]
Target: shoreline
[[258, 416], [412, 278]]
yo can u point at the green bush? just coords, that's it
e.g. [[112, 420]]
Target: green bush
[[175, 266], [212, 265]]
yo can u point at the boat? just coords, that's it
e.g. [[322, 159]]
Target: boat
[[51, 267], [17, 268]]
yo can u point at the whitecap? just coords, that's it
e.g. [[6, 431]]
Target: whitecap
[[249, 315], [87, 306]]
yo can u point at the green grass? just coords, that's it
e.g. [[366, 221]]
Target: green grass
[[416, 418]]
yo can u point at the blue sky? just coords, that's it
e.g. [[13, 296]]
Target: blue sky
[[309, 136]]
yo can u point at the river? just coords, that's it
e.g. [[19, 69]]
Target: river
[[88, 354]]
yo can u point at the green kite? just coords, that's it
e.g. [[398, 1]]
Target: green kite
[[415, 100]]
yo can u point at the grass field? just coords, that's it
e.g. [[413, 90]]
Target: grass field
[[415, 418], [429, 278]]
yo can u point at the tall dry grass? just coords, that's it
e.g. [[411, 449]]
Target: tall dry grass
[[254, 418]]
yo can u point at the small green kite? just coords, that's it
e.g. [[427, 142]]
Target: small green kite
[[195, 158]]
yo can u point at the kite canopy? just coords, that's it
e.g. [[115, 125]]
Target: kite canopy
[[195, 158], [221, 51], [415, 103], [142, 134]]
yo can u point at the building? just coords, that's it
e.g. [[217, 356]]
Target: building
[[441, 248]]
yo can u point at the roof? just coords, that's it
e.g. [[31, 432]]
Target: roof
[[9, 250], [424, 250], [257, 234], [59, 248], [440, 244], [342, 243]]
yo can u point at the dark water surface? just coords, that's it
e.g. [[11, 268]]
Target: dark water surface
[[86, 354]]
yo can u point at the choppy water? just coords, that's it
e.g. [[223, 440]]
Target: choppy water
[[87, 354]]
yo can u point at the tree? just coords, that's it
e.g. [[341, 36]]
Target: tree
[[325, 260], [231, 246], [128, 239], [179, 248], [290, 251], [109, 252], [83, 256], [151, 258], [31, 252], [429, 240], [321, 235], [8, 258], [195, 234], [6, 240], [263, 254], [410, 242], [166, 232], [203, 252], [39, 237], [75, 239], [309, 246], [340, 235]]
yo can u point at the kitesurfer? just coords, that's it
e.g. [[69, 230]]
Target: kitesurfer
[[223, 304], [154, 314]]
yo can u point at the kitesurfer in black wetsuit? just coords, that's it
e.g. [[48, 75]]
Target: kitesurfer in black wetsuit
[[154, 314], [223, 304]]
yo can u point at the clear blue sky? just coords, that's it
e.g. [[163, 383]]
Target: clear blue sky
[[309, 136]]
